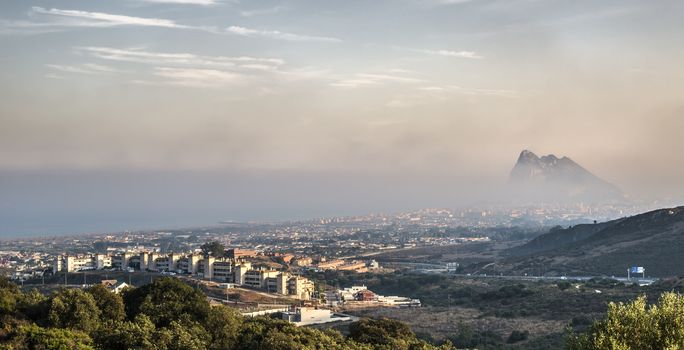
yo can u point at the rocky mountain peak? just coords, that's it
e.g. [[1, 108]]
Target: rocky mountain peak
[[558, 178]]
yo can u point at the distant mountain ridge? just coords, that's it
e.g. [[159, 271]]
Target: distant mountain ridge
[[654, 240], [558, 179]]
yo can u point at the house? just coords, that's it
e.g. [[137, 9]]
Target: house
[[114, 286], [119, 287]]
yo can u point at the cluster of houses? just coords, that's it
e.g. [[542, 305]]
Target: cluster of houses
[[362, 296], [22, 265], [230, 269], [334, 264]]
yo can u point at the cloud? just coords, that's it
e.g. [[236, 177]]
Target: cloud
[[308, 73], [399, 70], [188, 59], [275, 34], [442, 52], [77, 18], [52, 20], [386, 77], [85, 68], [590, 16], [26, 28], [184, 2], [432, 94], [399, 103], [450, 2], [100, 19], [431, 88], [471, 91], [449, 53], [186, 69], [259, 12], [260, 67], [367, 79], [53, 76], [193, 77], [199, 70], [432, 3]]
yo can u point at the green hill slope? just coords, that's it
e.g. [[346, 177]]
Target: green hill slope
[[654, 240]]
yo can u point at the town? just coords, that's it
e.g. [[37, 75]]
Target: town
[[330, 241], [414, 268], [279, 269]]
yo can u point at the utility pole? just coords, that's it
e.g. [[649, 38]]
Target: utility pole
[[65, 278]]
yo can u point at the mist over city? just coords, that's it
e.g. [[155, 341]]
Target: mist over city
[[245, 111], [451, 174]]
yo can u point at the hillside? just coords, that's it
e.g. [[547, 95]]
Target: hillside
[[558, 237], [653, 240]]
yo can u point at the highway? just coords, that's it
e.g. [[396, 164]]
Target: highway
[[639, 280]]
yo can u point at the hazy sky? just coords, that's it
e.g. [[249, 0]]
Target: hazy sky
[[274, 109]]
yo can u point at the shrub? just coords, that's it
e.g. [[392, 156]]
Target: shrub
[[563, 285], [635, 325], [517, 336]]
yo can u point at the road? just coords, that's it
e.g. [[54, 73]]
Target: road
[[641, 281]]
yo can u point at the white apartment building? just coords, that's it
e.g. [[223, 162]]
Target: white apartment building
[[70, 263], [223, 270]]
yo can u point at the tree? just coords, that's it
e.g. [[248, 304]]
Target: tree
[[184, 335], [260, 333], [166, 300], [110, 304], [563, 285], [34, 306], [214, 249], [138, 334], [223, 324], [381, 331], [75, 309], [635, 325], [517, 336], [34, 337], [168, 315], [8, 302], [465, 337], [8, 296]]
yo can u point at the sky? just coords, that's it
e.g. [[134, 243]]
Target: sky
[[147, 113]]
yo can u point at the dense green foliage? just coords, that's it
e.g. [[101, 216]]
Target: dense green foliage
[[215, 249], [635, 325], [386, 334], [74, 309], [168, 315], [110, 304]]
